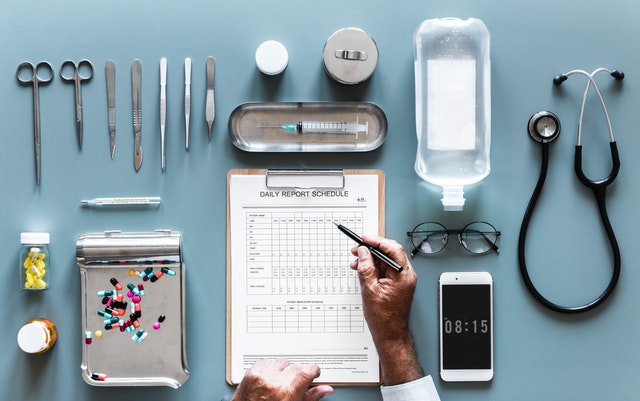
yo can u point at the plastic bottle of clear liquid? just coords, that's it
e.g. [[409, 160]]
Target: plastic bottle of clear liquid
[[453, 105]]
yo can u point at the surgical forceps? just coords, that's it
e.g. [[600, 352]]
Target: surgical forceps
[[77, 78], [41, 74]]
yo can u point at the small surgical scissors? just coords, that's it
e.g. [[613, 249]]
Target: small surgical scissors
[[82, 71], [40, 74]]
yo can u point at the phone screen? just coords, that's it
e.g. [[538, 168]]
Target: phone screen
[[466, 327]]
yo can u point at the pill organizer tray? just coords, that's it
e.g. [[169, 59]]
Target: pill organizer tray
[[114, 359]]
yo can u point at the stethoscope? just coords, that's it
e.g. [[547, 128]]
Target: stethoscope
[[544, 128]]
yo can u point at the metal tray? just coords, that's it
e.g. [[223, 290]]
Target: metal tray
[[114, 359], [258, 127]]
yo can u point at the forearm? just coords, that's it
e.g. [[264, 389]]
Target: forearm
[[398, 360]]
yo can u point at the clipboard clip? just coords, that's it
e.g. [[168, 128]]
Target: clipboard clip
[[304, 179]]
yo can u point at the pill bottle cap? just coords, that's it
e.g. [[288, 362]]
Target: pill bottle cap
[[33, 337], [34, 238], [272, 57]]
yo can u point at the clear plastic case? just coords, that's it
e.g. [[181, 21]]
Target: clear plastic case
[[307, 127]]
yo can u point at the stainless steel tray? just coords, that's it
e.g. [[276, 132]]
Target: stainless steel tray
[[114, 359], [259, 127]]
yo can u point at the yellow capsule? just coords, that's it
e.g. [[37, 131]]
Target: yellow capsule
[[39, 264], [98, 333], [41, 284]]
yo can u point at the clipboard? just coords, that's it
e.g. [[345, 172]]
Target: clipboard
[[307, 185]]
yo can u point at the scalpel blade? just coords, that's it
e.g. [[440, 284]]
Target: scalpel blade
[[111, 104], [136, 80], [210, 111]]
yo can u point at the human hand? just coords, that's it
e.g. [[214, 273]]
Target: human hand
[[386, 302], [278, 380], [386, 293]]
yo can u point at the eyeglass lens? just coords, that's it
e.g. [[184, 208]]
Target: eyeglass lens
[[476, 237]]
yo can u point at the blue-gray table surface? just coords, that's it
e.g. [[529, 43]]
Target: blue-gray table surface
[[539, 355]]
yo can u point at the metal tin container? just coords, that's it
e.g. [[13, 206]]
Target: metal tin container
[[350, 56], [137, 339]]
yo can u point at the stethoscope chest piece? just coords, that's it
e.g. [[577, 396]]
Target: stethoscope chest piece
[[544, 127]]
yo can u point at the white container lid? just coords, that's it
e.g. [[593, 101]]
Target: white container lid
[[32, 338], [34, 238], [272, 57]]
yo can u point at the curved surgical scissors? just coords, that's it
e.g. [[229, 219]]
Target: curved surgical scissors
[[40, 74], [82, 71]]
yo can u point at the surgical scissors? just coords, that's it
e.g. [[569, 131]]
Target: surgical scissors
[[82, 71], [35, 79]]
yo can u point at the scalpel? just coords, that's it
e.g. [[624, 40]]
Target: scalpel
[[187, 100], [210, 111], [111, 104], [163, 112], [136, 78]]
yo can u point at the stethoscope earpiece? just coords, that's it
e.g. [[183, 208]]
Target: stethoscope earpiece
[[544, 127]]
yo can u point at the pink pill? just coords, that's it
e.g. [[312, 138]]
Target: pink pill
[[129, 294], [136, 299], [156, 326]]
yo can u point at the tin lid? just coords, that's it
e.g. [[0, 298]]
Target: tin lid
[[350, 56], [32, 338]]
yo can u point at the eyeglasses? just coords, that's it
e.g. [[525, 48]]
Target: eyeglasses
[[478, 238]]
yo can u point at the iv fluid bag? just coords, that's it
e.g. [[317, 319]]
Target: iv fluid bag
[[453, 105]]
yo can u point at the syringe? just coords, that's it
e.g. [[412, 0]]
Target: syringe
[[325, 127]]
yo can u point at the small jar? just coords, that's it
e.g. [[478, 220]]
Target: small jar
[[35, 261], [37, 336]]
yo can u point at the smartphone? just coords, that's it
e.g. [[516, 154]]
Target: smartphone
[[466, 326]]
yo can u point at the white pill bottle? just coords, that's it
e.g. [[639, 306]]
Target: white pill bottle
[[453, 105]]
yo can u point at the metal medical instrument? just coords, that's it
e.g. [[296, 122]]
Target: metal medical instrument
[[324, 127], [187, 100], [136, 80], [163, 112], [110, 70], [544, 128], [28, 74], [210, 109], [77, 77], [130, 201]]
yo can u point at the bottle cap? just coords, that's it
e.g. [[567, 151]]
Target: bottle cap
[[33, 338], [453, 198], [272, 57], [34, 238]]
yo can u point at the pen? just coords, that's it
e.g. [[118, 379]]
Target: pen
[[378, 253]]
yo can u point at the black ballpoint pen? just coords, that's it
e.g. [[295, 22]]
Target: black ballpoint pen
[[375, 251]]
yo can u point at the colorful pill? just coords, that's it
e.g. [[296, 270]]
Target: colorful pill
[[87, 337], [136, 299], [132, 273], [98, 333], [168, 271], [116, 284], [155, 277], [143, 336], [105, 314], [107, 293], [99, 376], [138, 310], [161, 318], [156, 326]]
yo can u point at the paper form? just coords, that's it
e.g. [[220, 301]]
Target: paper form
[[293, 294]]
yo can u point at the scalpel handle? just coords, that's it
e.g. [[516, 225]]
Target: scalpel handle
[[210, 111], [187, 100], [136, 81], [111, 104], [163, 112]]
